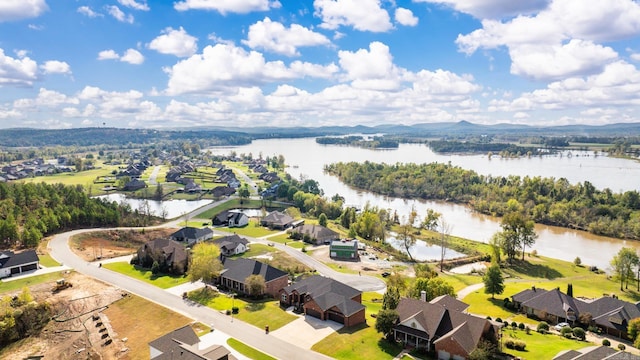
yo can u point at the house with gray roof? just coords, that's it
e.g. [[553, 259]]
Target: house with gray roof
[[325, 299], [16, 263], [595, 353], [172, 256], [183, 343], [232, 245], [190, 235], [434, 326], [236, 271], [277, 220], [314, 234]]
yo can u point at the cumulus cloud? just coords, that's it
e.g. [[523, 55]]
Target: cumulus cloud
[[131, 56], [175, 42], [21, 71], [11, 10], [362, 15], [119, 15], [134, 5], [493, 9], [373, 69], [227, 6], [564, 31], [55, 67], [275, 37], [87, 11], [223, 66], [405, 17]]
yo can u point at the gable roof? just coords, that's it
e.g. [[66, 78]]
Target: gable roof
[[9, 259], [556, 302], [277, 218], [327, 293], [230, 242], [192, 233], [595, 353], [173, 250], [450, 303], [612, 312], [184, 341], [316, 231], [240, 269]]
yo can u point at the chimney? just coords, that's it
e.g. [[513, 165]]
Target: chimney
[[423, 296]]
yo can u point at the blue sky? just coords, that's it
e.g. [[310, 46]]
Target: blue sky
[[186, 63]]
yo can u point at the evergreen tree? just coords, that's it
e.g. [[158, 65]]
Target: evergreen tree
[[493, 281]]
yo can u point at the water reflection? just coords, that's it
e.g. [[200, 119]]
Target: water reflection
[[171, 208], [423, 251]]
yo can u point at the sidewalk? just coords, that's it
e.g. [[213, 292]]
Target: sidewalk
[[42, 270]]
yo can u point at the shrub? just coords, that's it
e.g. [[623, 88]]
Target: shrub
[[528, 330], [488, 317], [234, 310], [621, 347], [498, 319], [566, 331], [579, 333], [542, 326], [521, 326], [606, 342], [509, 343], [506, 323], [514, 324], [520, 345], [577, 261], [534, 253]]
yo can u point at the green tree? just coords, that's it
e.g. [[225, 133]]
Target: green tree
[[204, 263], [391, 298], [256, 285], [159, 192], [431, 220], [517, 233], [633, 329], [496, 248], [385, 320], [623, 264], [322, 220], [406, 233], [244, 193], [493, 281], [433, 288]]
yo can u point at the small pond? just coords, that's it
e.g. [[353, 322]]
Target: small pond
[[172, 208], [422, 251]]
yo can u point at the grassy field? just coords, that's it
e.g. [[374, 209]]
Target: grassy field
[[247, 350], [541, 346], [257, 313], [163, 281], [141, 321], [228, 205], [253, 229], [8, 286], [47, 261]]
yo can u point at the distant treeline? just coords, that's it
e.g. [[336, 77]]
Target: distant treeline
[[448, 146], [30, 211], [377, 142], [545, 200]]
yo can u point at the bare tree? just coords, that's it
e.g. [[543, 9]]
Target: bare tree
[[444, 228]]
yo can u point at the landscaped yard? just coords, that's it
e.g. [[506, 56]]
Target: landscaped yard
[[7, 286], [541, 346], [162, 281], [247, 350], [253, 229], [258, 313]]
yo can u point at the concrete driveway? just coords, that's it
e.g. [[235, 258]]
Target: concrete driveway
[[306, 331]]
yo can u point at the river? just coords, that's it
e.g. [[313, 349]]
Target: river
[[306, 158]]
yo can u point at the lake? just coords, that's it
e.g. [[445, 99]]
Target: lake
[[172, 208], [306, 159]]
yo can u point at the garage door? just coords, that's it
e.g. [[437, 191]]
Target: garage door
[[336, 317], [443, 355], [314, 313], [30, 267]]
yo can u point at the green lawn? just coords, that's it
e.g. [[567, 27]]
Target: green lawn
[[257, 313], [228, 205], [47, 261], [7, 286], [247, 350], [252, 230], [541, 346], [362, 341], [161, 281]]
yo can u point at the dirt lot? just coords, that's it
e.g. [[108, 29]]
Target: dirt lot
[[109, 244], [371, 262]]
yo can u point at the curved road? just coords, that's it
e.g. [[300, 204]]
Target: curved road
[[244, 332]]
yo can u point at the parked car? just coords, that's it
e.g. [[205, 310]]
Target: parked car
[[561, 325]]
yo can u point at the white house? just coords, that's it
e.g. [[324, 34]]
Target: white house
[[16, 263]]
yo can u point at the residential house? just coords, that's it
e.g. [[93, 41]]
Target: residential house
[[277, 220], [134, 185], [221, 191], [236, 272], [171, 256], [325, 299], [344, 249], [16, 263], [610, 314], [441, 327], [183, 343], [232, 245], [231, 219], [270, 177], [190, 235], [314, 234], [599, 352]]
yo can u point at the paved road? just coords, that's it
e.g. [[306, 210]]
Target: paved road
[[244, 332], [154, 176]]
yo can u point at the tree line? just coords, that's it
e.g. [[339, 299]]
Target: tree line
[[30, 211], [544, 200]]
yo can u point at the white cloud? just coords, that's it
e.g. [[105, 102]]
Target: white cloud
[[405, 17], [49, 98], [36, 27], [227, 6], [225, 66], [11, 10], [20, 72], [493, 9], [373, 69], [108, 55], [119, 15], [85, 10], [363, 15], [55, 67], [275, 37], [175, 42], [132, 56], [134, 5], [635, 57]]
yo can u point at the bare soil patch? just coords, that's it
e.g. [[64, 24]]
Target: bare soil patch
[[114, 243]]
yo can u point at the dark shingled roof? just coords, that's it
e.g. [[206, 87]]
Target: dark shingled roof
[[328, 293], [230, 242], [9, 259], [240, 269], [191, 233], [182, 344]]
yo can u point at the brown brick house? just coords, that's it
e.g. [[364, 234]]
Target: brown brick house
[[237, 271], [325, 299]]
